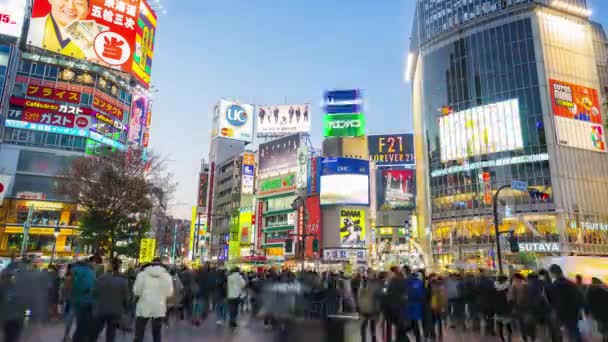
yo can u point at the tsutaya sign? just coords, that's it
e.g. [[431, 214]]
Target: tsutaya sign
[[539, 246]]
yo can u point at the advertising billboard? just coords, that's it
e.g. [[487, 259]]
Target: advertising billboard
[[352, 228], [578, 117], [12, 16], [99, 31], [344, 125], [144, 43], [233, 121], [279, 154], [391, 149], [202, 189], [137, 120], [313, 176], [480, 130], [248, 173], [398, 190], [282, 119], [344, 181], [278, 184], [313, 225]]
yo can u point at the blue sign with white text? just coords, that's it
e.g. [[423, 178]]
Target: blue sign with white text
[[336, 166]]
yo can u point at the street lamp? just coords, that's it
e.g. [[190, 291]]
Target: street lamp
[[55, 234]]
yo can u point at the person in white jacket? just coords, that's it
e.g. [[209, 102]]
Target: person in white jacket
[[153, 286], [236, 284]]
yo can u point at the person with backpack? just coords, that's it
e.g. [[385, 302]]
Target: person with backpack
[[81, 299], [368, 299], [153, 287], [416, 302]]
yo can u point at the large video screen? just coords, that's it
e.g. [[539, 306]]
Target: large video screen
[[480, 130], [344, 189]]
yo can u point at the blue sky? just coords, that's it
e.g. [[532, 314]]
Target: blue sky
[[275, 51]]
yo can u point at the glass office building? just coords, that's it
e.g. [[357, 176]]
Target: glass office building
[[509, 90]]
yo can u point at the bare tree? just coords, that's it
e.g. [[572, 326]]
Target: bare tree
[[115, 192]]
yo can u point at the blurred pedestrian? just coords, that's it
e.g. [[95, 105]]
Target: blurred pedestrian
[[369, 298], [153, 287], [566, 302], [68, 310], [235, 285], [83, 283], [597, 299], [110, 302], [501, 303]]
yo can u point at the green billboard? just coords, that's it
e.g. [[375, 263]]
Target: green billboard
[[344, 125]]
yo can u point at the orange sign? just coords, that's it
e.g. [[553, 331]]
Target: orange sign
[[107, 107], [576, 102], [53, 93]]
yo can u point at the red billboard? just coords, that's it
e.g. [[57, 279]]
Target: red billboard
[[202, 189], [313, 225], [260, 224], [106, 32], [53, 93]]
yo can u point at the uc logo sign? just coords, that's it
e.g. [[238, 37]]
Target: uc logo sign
[[236, 115]]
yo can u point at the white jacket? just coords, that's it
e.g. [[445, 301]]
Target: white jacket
[[152, 286], [236, 284]]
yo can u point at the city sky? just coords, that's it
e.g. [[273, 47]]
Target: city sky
[[275, 52]]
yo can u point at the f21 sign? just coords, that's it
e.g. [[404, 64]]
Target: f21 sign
[[391, 149]]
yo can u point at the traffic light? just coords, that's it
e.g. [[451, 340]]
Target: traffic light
[[289, 246], [315, 245], [513, 244], [538, 195]]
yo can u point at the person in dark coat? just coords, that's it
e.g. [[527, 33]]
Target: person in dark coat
[[597, 306], [396, 305], [486, 294], [502, 304], [566, 302], [110, 302]]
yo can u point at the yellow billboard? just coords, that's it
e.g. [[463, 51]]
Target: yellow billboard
[[147, 249], [352, 228]]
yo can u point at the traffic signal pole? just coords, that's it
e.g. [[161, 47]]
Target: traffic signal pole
[[496, 232]]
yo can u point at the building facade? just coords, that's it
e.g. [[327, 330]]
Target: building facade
[[57, 105], [502, 91]]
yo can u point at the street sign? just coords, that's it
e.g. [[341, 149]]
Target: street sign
[[519, 185]]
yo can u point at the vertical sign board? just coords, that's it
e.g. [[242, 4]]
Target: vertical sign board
[[248, 173], [210, 197], [301, 174], [202, 189], [147, 249], [313, 224], [313, 179], [259, 224]]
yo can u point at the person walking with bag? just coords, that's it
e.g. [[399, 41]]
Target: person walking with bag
[[153, 287]]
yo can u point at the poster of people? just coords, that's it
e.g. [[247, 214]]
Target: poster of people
[[397, 191], [279, 154], [352, 228], [279, 120]]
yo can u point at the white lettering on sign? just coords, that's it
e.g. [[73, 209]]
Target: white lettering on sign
[[594, 226], [345, 124], [539, 247]]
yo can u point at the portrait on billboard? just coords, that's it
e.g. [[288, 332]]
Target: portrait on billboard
[[279, 154], [109, 33], [352, 228], [282, 119], [137, 121], [397, 191]]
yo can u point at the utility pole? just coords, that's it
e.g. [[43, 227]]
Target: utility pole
[[496, 232]]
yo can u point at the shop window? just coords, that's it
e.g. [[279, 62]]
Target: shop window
[[19, 89], [25, 66]]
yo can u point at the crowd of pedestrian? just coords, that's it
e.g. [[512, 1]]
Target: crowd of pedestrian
[[390, 306]]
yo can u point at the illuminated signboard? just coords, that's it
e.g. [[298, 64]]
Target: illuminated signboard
[[344, 125], [107, 107], [233, 120], [277, 184], [53, 93], [391, 149], [115, 33], [107, 141], [578, 116], [279, 154], [480, 130], [344, 181], [46, 128]]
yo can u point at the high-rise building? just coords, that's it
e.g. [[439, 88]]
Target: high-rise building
[[62, 100], [509, 90]]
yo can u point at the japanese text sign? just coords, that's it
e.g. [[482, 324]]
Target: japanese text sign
[[53, 93]]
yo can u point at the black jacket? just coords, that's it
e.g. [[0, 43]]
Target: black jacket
[[597, 303], [565, 299]]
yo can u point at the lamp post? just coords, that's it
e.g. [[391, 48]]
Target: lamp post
[[55, 234]]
